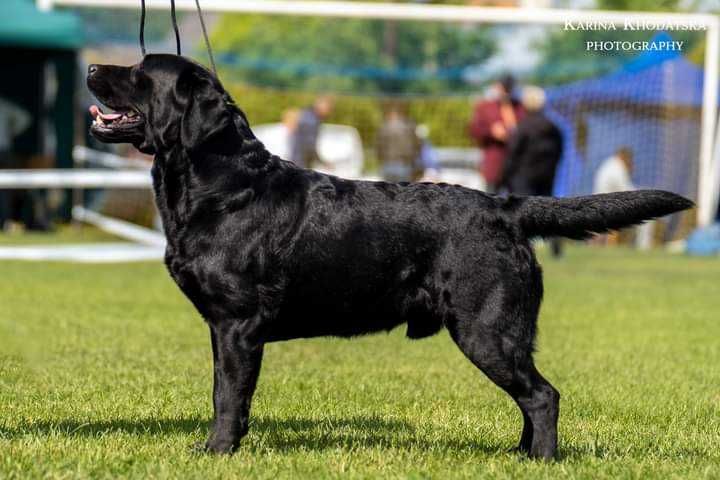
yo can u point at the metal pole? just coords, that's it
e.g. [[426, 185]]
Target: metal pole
[[707, 175]]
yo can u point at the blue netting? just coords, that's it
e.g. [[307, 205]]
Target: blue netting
[[652, 106]]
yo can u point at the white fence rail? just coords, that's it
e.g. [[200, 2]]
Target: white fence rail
[[74, 178]]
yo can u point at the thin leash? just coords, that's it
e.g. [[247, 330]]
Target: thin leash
[[205, 36], [142, 27], [177, 31], [175, 27]]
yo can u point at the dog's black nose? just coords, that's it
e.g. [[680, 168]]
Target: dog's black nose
[[92, 69]]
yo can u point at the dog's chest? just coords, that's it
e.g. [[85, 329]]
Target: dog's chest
[[216, 287]]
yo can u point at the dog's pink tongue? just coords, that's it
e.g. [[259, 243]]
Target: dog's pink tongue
[[95, 111]]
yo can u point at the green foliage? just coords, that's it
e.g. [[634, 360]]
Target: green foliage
[[640, 5], [445, 116], [103, 25], [105, 372], [349, 45], [353, 56]]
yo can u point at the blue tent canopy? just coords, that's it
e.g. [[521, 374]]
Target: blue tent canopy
[[652, 105], [641, 86]]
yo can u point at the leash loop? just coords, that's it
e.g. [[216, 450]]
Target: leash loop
[[177, 31]]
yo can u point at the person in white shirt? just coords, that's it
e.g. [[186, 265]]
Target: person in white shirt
[[615, 175]]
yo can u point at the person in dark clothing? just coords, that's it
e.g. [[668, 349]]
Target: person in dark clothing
[[534, 151], [398, 147], [303, 142]]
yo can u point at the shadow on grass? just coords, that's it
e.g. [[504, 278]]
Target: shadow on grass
[[319, 434], [285, 434], [353, 433]]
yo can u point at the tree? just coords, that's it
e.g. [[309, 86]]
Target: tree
[[359, 56], [124, 25]]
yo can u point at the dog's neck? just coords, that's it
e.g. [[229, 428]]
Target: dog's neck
[[210, 178]]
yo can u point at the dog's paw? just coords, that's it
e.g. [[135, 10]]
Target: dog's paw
[[519, 450], [214, 446], [198, 448]]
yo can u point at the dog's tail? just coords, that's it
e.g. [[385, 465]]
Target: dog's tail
[[581, 217]]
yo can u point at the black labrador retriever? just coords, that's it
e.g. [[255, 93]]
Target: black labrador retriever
[[268, 251]]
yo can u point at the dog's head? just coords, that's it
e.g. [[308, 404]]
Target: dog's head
[[161, 102]]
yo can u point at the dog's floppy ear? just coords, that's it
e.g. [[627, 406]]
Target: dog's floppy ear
[[206, 113]]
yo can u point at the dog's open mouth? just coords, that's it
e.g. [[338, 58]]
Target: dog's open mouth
[[121, 125], [128, 118]]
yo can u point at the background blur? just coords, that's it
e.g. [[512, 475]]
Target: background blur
[[105, 370], [381, 77]]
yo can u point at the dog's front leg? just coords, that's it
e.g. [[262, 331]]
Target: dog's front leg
[[237, 354]]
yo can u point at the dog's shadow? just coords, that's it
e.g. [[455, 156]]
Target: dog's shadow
[[298, 433], [284, 434]]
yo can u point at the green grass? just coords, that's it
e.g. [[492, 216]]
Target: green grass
[[63, 234], [105, 373]]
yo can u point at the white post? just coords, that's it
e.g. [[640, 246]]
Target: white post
[[715, 185], [707, 181], [44, 5]]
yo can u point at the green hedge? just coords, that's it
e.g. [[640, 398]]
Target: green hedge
[[447, 117]]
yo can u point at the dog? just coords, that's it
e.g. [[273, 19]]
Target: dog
[[267, 251]]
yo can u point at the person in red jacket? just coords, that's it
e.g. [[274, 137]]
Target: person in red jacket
[[492, 125]]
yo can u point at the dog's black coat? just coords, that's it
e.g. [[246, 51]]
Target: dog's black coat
[[268, 251]]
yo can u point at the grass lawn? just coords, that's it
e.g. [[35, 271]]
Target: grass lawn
[[105, 372], [63, 234]]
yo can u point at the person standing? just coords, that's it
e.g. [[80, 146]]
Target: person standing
[[13, 121], [492, 124], [398, 147], [303, 140], [427, 162], [615, 175], [534, 151]]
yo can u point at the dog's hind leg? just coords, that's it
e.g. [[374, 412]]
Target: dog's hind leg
[[541, 403], [496, 348], [237, 356], [527, 431]]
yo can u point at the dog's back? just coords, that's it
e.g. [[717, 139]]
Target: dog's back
[[368, 256]]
